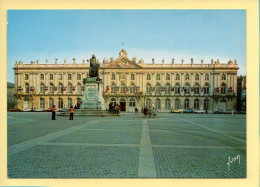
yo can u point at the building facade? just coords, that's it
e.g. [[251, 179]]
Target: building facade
[[11, 99], [241, 93], [130, 83]]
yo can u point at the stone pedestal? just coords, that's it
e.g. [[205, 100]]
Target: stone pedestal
[[92, 97]]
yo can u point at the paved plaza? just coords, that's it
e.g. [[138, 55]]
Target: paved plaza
[[129, 146]]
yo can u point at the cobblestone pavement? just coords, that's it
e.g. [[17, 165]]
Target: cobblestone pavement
[[130, 146]]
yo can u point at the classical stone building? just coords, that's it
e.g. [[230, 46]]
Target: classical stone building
[[131, 84], [241, 93], [11, 99]]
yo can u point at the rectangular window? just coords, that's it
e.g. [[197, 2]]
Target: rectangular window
[[60, 76], [113, 77], [78, 76], [26, 76], [69, 76], [51, 76], [42, 76], [132, 76]]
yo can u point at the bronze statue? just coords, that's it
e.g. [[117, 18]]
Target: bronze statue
[[94, 67]]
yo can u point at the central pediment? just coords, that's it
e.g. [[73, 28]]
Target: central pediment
[[123, 61]]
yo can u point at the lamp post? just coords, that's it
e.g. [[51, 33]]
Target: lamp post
[[31, 96], [144, 98]]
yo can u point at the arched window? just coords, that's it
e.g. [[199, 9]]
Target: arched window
[[60, 104], [132, 88], [51, 88], [187, 77], [197, 77], [158, 104], [177, 76], [78, 88], [167, 104], [60, 88], [186, 104], [132, 102], [187, 88], [196, 104], [69, 102], [148, 103], [207, 77], [42, 103], [197, 88], [51, 102], [177, 104], [123, 88], [177, 88], [148, 88], [168, 88], [42, 88], [27, 88], [148, 77], [158, 88], [206, 104], [69, 88], [113, 101], [223, 105], [158, 77], [206, 88], [223, 76], [113, 88], [168, 77], [223, 88]]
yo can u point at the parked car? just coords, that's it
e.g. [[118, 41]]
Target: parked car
[[48, 110], [39, 110], [15, 110], [200, 111], [178, 111], [219, 111], [230, 112], [27, 110], [62, 110], [190, 110]]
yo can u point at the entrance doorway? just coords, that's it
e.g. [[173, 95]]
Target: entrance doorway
[[26, 103], [223, 105], [122, 104]]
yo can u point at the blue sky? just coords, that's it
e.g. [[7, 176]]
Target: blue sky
[[147, 34]]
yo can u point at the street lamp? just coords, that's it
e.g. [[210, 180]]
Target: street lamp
[[31, 95]]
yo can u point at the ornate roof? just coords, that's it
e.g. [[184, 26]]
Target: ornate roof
[[123, 61]]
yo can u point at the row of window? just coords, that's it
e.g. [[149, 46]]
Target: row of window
[[158, 88], [51, 88], [113, 77], [60, 103], [177, 104], [51, 76], [168, 77]]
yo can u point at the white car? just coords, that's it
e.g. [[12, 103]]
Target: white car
[[200, 111], [39, 110], [26, 110]]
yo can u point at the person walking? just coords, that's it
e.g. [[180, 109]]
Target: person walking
[[117, 109], [53, 111], [154, 112], [71, 112], [145, 111], [150, 112], [142, 111]]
